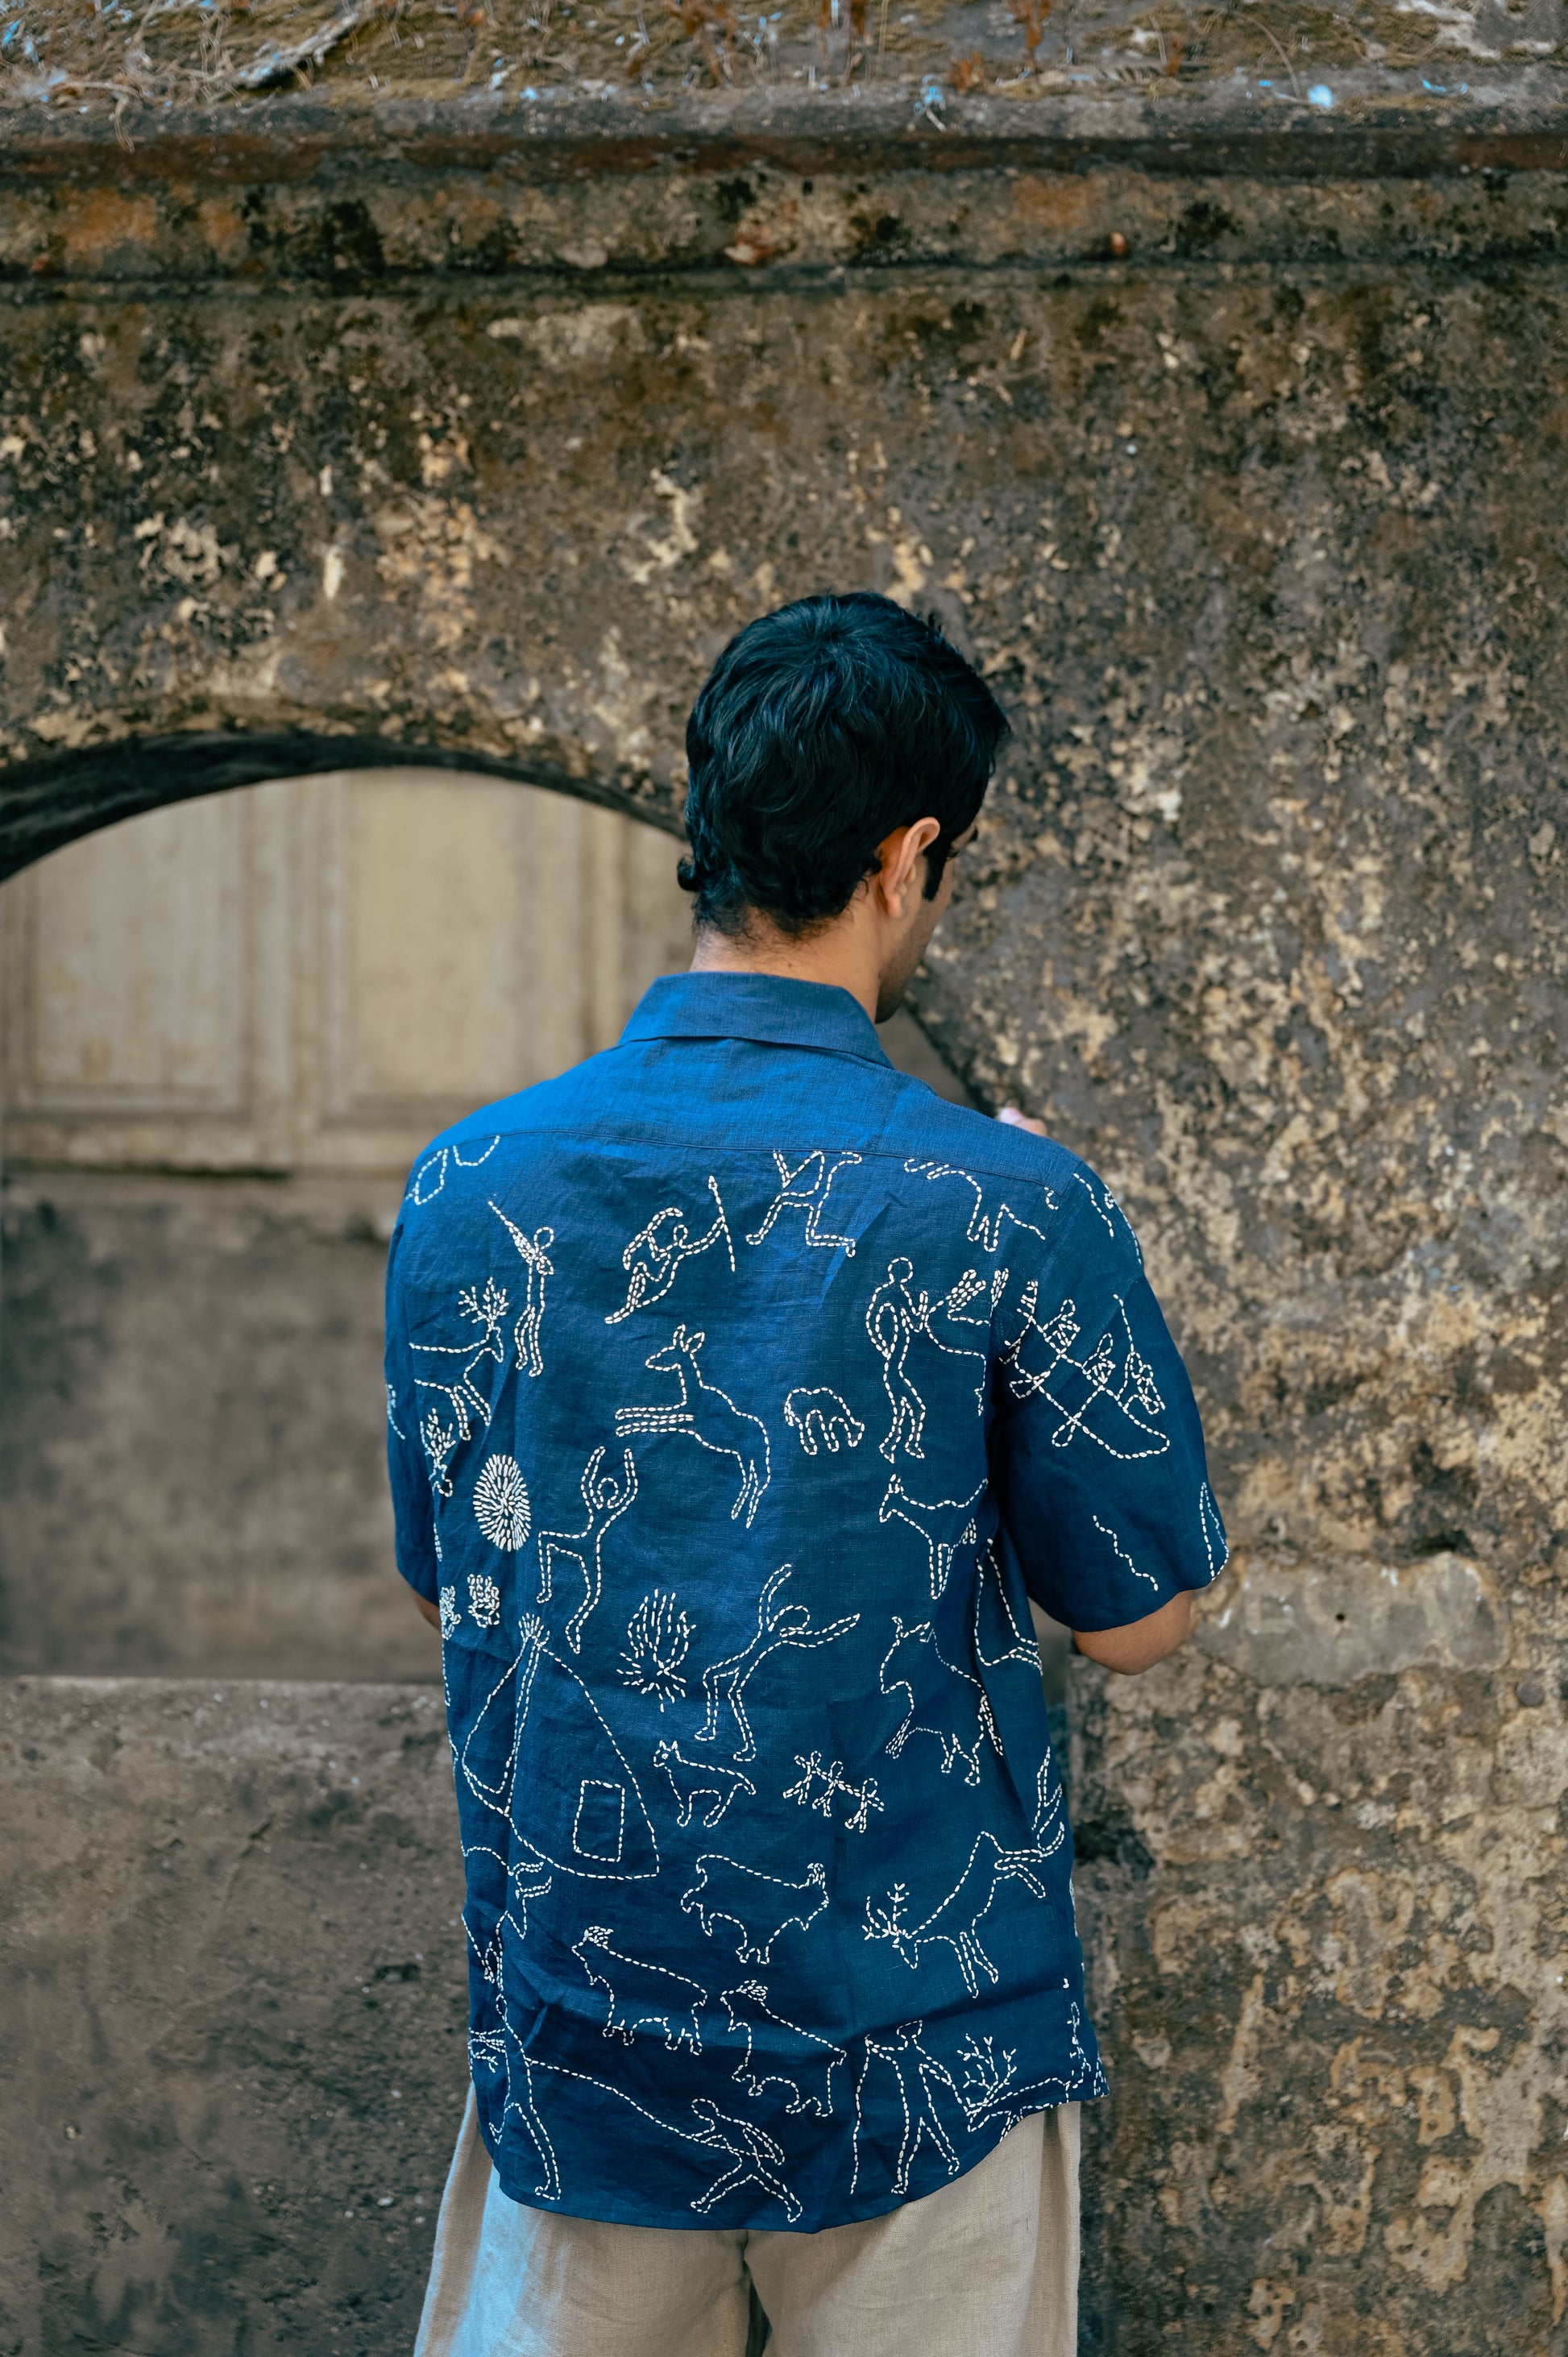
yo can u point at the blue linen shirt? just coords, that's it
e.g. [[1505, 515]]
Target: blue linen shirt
[[740, 1393]]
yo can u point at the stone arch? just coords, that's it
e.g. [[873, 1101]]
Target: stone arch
[[49, 802]]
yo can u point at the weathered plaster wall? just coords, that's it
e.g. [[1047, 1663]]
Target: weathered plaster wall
[[236, 2015], [1259, 532]]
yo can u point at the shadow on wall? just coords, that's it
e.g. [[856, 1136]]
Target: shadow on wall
[[230, 1025]]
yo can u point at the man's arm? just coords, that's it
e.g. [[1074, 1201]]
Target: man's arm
[[1137, 1645], [428, 1611]]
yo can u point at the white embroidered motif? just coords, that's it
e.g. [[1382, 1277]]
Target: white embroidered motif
[[912, 2069], [836, 1786], [726, 1681], [450, 1616], [392, 1414], [652, 1259], [946, 1525], [534, 1254], [819, 1416], [484, 1600], [758, 2160], [1121, 1555], [657, 1639], [1216, 1546], [1094, 1395], [895, 1318], [957, 1918], [1017, 1643], [905, 1658], [500, 1504], [817, 1175], [692, 1780], [609, 1836], [471, 1404], [706, 1414], [641, 1996], [605, 1501], [984, 1227], [431, 1175], [806, 2076], [758, 1906], [438, 1440]]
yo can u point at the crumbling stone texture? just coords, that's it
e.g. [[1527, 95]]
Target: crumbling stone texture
[[1258, 531]]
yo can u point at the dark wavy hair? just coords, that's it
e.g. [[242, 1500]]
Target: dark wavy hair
[[820, 729]]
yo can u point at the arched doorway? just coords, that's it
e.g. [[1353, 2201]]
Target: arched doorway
[[230, 1024]]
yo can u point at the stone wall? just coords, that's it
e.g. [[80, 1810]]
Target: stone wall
[[1237, 459]]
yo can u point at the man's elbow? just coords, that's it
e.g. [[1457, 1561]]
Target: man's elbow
[[1141, 1643]]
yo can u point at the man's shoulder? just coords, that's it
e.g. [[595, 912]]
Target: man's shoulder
[[494, 1134]]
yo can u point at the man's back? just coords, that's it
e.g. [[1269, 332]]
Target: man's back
[[738, 1390]]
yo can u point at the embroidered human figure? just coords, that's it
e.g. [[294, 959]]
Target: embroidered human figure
[[653, 1257], [534, 1251], [805, 1188], [900, 2053], [726, 1681], [607, 1500], [758, 2160], [706, 1414], [892, 1319]]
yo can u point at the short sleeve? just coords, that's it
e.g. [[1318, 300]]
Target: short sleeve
[[1097, 1455], [413, 1511]]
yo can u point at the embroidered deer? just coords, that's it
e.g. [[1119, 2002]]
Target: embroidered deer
[[706, 1414], [960, 1915]]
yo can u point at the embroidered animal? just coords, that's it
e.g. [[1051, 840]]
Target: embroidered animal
[[984, 1227], [641, 1996], [779, 2053], [946, 1525], [805, 1188], [691, 1782], [605, 1501], [465, 1386], [706, 1414], [819, 1416], [958, 1918], [902, 1665], [1091, 1394], [652, 1259], [726, 1681], [759, 1907], [534, 1252]]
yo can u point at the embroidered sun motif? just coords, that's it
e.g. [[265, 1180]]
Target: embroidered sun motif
[[500, 1504]]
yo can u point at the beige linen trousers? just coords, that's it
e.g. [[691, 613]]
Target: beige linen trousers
[[986, 2266]]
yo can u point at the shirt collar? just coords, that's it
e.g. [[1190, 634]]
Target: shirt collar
[[766, 1006]]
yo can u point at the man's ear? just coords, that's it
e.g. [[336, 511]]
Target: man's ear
[[901, 853]]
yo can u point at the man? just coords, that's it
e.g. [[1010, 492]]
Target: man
[[742, 1395]]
